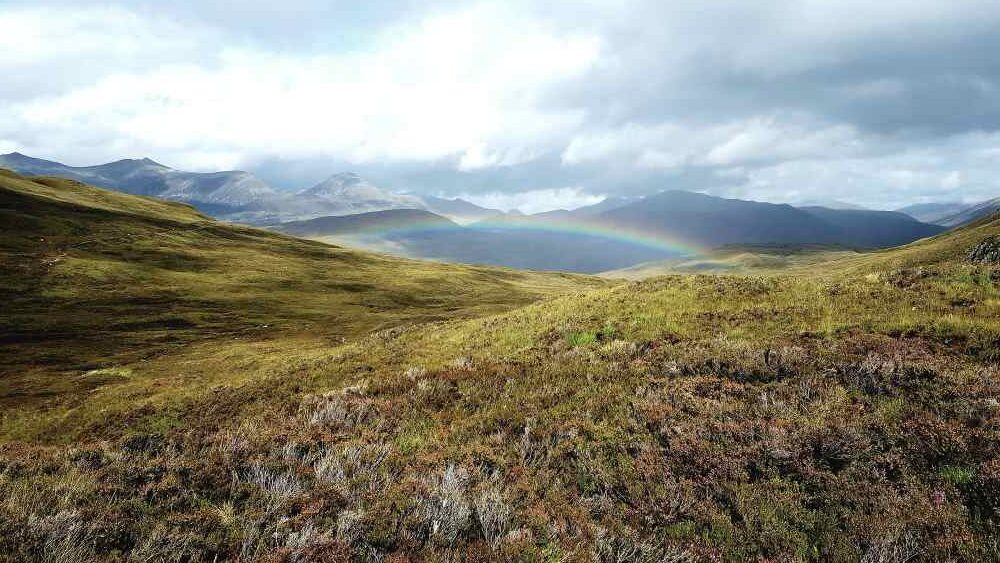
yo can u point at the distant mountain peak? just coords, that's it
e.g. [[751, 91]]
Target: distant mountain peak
[[346, 177], [20, 157], [145, 161], [345, 183]]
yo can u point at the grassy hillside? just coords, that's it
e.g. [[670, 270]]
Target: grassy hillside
[[760, 260], [94, 280], [842, 414]]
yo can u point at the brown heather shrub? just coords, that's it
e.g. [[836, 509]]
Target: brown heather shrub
[[879, 375]]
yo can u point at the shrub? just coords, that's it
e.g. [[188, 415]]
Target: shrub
[[337, 411], [493, 511], [446, 508], [355, 469], [629, 548], [67, 538], [280, 486], [901, 549], [349, 526]]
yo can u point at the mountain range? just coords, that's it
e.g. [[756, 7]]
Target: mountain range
[[616, 233], [970, 214], [241, 197], [595, 239]]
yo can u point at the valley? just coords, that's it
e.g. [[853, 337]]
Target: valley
[[619, 232], [176, 387]]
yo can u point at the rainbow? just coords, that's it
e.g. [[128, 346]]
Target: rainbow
[[655, 240]]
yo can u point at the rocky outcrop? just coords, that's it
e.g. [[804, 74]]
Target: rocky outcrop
[[986, 252]]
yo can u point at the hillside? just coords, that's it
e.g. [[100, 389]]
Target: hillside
[[241, 197], [233, 194], [970, 214], [673, 226], [94, 279], [844, 413], [932, 212], [760, 260], [873, 229], [713, 221], [364, 223]]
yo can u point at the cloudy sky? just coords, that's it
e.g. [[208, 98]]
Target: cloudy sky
[[522, 103]]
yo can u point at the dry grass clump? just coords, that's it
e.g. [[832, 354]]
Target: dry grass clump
[[338, 411]]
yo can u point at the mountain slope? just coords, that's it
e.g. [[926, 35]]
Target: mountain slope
[[458, 209], [373, 223], [91, 278], [347, 193], [931, 212], [713, 221], [844, 413], [970, 214], [607, 204], [235, 193], [873, 229]]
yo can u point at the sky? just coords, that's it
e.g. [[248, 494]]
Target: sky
[[518, 103]]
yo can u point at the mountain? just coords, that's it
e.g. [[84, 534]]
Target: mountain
[[713, 221], [831, 204], [375, 223], [174, 388], [612, 234], [606, 204], [458, 209], [932, 212], [666, 225], [241, 197], [347, 193], [970, 213], [235, 195], [873, 229]]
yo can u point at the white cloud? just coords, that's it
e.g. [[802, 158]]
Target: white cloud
[[753, 140], [536, 201], [449, 86]]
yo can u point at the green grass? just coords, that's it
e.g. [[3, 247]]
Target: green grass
[[757, 260], [93, 279], [436, 412]]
